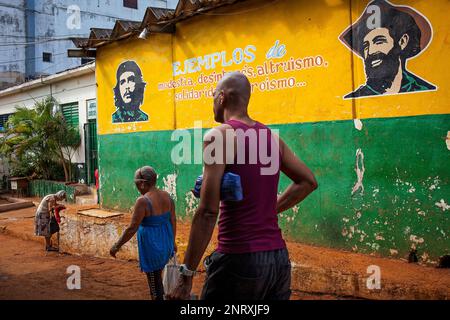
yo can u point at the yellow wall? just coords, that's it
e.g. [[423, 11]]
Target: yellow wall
[[307, 29], [154, 57], [431, 65]]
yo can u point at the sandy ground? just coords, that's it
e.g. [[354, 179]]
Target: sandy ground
[[27, 272]]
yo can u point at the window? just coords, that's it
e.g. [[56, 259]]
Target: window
[[130, 4], [47, 56], [70, 112], [91, 109], [3, 119]]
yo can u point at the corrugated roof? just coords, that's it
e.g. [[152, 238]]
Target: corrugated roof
[[157, 20], [98, 35], [124, 27], [153, 20], [189, 8], [80, 42]]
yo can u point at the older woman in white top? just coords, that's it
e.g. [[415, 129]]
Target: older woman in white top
[[44, 215]]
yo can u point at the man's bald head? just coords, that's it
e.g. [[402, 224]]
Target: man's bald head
[[236, 87], [232, 93]]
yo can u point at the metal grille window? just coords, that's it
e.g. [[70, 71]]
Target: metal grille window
[[70, 112], [3, 119]]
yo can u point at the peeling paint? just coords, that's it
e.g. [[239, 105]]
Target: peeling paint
[[435, 184], [444, 206], [447, 141], [375, 192], [393, 252], [415, 239], [358, 124], [170, 185], [359, 172], [191, 204], [378, 237]]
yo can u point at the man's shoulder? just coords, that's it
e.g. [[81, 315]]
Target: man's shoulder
[[221, 129]]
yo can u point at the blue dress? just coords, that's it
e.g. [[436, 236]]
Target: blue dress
[[155, 241]]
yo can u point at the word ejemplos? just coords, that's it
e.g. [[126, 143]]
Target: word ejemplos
[[216, 59]]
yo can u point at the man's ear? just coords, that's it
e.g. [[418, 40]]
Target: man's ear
[[404, 40]]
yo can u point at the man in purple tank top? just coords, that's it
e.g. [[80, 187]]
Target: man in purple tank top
[[251, 261]]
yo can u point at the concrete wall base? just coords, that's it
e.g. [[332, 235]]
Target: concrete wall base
[[94, 236]]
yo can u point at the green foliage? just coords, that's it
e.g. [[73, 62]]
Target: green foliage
[[39, 142]]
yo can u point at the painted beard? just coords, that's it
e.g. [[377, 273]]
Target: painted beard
[[133, 104], [381, 68]]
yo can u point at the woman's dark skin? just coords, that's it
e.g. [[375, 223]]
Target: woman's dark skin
[[160, 203]]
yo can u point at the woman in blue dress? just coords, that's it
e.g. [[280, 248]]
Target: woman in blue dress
[[155, 223]]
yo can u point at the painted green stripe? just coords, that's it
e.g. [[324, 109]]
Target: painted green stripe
[[406, 174]]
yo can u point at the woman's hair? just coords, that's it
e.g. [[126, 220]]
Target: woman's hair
[[148, 174]]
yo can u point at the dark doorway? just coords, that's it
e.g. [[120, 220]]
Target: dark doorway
[[91, 149]]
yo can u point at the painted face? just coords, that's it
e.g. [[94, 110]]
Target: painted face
[[381, 54], [127, 84]]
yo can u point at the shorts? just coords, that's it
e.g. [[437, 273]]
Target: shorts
[[264, 275]]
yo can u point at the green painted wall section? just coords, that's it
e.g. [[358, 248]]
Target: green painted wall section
[[406, 176]]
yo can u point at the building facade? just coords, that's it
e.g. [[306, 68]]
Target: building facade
[[356, 88], [75, 91], [35, 33]]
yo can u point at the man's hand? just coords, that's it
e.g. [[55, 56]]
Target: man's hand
[[183, 289], [113, 251]]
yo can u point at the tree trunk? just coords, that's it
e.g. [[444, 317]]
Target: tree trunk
[[66, 173]]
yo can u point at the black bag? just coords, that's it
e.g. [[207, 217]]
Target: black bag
[[54, 226]]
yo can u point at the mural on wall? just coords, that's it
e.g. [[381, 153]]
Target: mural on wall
[[129, 93], [385, 37]]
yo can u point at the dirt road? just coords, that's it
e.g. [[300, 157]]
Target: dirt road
[[28, 272]]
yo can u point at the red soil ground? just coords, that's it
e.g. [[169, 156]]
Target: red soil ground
[[27, 272]]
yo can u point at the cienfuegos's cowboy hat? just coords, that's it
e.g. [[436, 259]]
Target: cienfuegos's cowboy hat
[[399, 20]]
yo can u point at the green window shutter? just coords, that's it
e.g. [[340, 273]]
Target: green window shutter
[[70, 112]]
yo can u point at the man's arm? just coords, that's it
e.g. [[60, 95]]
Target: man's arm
[[138, 215], [303, 180], [205, 217]]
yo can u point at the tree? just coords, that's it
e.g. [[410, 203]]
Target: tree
[[40, 136]]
